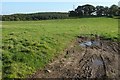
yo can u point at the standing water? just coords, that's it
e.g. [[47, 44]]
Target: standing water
[[90, 43]]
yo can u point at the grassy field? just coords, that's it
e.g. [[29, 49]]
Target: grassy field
[[29, 45]]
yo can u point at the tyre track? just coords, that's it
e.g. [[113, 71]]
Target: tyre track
[[84, 62]]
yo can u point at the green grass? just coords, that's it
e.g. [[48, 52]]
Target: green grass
[[29, 45]]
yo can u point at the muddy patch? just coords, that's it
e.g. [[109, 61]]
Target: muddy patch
[[87, 58], [89, 43]]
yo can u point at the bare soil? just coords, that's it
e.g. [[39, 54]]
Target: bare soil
[[85, 62]]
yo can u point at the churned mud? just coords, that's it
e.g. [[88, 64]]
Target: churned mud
[[87, 58]]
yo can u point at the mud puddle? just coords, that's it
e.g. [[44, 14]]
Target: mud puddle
[[89, 43], [85, 59], [97, 62]]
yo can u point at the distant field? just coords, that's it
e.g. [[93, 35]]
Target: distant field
[[29, 45]]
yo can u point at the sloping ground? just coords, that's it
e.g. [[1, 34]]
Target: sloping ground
[[30, 45], [84, 60]]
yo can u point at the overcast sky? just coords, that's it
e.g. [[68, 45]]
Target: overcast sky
[[31, 6]]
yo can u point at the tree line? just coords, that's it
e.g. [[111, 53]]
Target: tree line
[[35, 16], [90, 10], [81, 11]]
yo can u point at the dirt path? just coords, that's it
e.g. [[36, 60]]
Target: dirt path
[[85, 60]]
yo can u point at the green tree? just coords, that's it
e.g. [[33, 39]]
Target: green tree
[[100, 10], [106, 11], [88, 9], [114, 10]]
